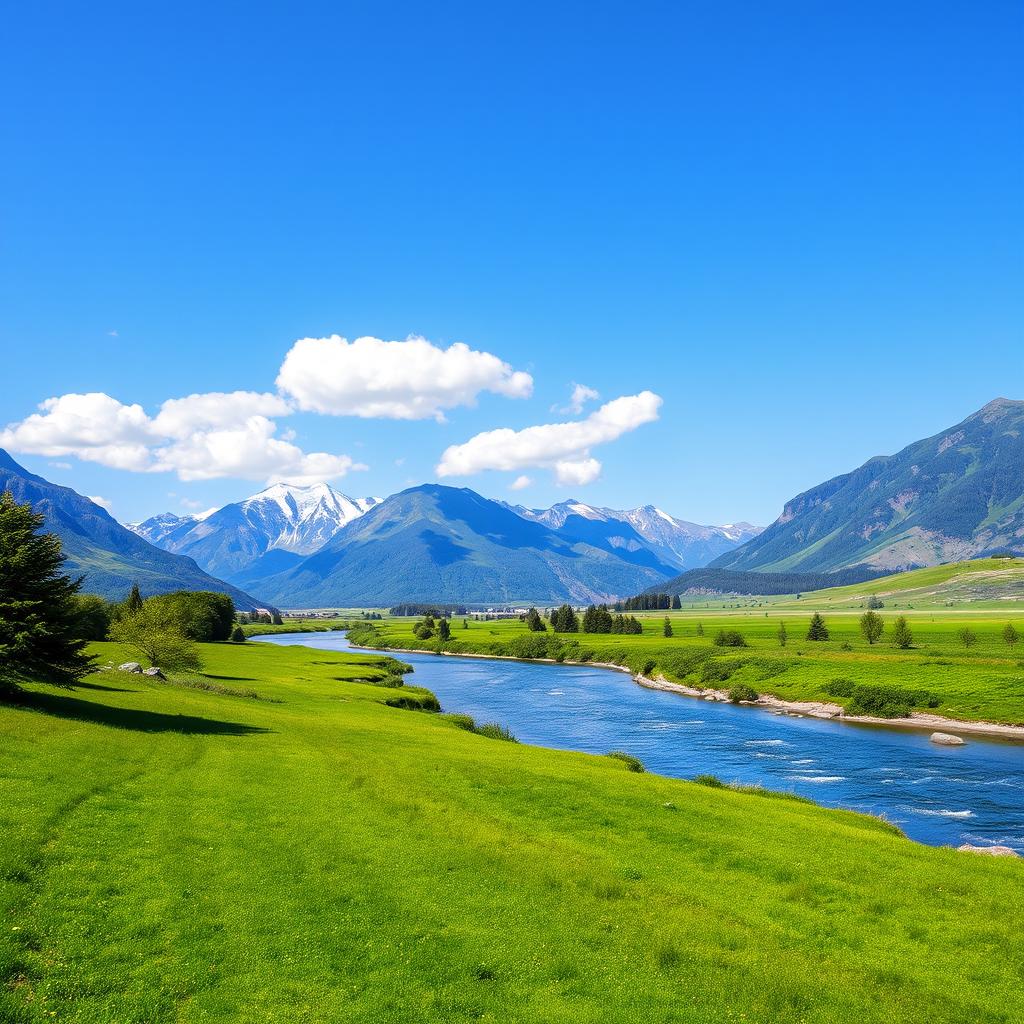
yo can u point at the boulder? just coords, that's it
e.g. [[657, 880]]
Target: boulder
[[130, 666], [947, 739], [154, 672], [992, 851]]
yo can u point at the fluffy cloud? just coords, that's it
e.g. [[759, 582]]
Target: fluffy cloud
[[200, 437], [402, 380], [563, 447], [520, 483], [581, 394], [104, 503]]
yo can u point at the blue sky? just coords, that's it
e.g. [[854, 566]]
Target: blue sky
[[798, 224]]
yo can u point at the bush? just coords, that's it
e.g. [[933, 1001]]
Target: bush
[[634, 764], [719, 671], [462, 722], [711, 781], [741, 692], [238, 635], [415, 701], [875, 602], [1010, 635], [840, 687], [730, 638], [494, 731], [200, 615], [91, 616], [889, 701]]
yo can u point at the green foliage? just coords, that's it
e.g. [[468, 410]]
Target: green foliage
[[564, 620], [781, 635], [666, 627], [902, 636], [40, 624], [817, 630], [634, 764], [875, 603], [201, 615], [423, 630], [494, 731], [93, 615], [444, 631], [238, 635], [711, 781], [720, 670], [729, 638], [133, 603], [700, 629], [741, 692], [1010, 635], [871, 626], [889, 701], [840, 687], [415, 700], [156, 634], [967, 636], [534, 622]]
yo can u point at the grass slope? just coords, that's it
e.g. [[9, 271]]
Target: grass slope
[[173, 854]]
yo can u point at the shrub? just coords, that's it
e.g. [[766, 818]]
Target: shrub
[[782, 635], [634, 764], [238, 635], [462, 722], [1010, 635], [840, 687], [875, 602], [422, 701], [889, 701], [494, 731], [719, 670], [741, 692], [711, 781], [730, 638]]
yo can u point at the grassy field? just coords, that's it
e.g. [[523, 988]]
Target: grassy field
[[983, 682], [307, 853]]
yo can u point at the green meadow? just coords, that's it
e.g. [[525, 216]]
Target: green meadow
[[271, 841]]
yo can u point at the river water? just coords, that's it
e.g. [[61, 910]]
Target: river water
[[937, 795]]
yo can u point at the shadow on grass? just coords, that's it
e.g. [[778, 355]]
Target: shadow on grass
[[130, 718], [107, 689], [236, 679]]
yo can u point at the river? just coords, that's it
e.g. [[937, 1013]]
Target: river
[[937, 795]]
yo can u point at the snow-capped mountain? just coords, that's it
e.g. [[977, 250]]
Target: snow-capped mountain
[[676, 541], [284, 518]]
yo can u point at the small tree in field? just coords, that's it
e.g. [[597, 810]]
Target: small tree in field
[[967, 636], [666, 629], [133, 603], [782, 635], [875, 602], [871, 626], [155, 634], [444, 631], [1010, 635], [700, 629], [902, 637], [534, 622], [238, 635], [39, 636], [817, 630]]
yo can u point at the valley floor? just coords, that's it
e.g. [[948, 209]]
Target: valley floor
[[176, 853]]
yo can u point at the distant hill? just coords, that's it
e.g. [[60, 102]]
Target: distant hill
[[448, 544], [673, 541], [283, 518], [110, 556], [956, 495], [727, 581]]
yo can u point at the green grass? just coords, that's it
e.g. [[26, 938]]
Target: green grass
[[981, 683], [169, 853]]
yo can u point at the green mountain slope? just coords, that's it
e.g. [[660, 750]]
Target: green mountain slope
[[957, 495], [110, 556]]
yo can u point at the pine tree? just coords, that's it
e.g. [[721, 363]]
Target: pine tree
[[238, 635], [782, 634], [444, 631], [666, 629], [676, 604], [817, 629], [871, 626], [133, 604], [38, 613], [700, 629], [902, 637], [1010, 634], [534, 622]]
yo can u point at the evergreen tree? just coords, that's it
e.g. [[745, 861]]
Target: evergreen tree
[[1010, 634], [676, 604], [534, 622], [39, 638], [782, 634], [666, 628], [902, 637], [465, 624], [238, 635], [278, 621], [444, 631], [700, 629], [817, 629], [871, 626], [133, 605]]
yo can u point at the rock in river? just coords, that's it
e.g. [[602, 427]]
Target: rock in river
[[947, 739]]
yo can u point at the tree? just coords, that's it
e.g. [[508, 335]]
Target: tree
[[817, 629], [676, 604], [277, 620], [782, 634], [700, 629], [563, 620], [465, 624], [444, 631], [666, 628], [875, 602], [39, 638], [1010, 634], [534, 622], [238, 635], [902, 637], [967, 636], [92, 617], [202, 615], [871, 626], [133, 604], [155, 633]]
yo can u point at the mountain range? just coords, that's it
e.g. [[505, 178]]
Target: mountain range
[[110, 557], [956, 495]]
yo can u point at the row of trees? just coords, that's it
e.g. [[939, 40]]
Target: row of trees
[[649, 603]]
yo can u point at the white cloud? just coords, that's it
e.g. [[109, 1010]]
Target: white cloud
[[102, 502], [563, 447], [60, 465], [200, 437], [404, 380], [581, 394], [520, 483]]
